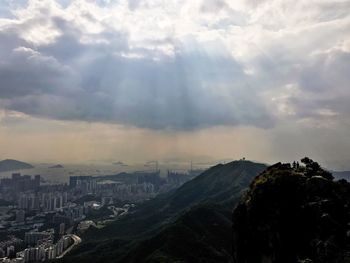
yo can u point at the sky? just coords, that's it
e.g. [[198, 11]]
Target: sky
[[206, 80]]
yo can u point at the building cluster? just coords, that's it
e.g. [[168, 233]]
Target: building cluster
[[8, 247], [70, 214], [150, 178], [143, 186], [84, 184], [33, 238], [20, 183], [45, 251], [45, 201], [10, 187], [124, 192], [40, 247], [28, 201], [54, 200], [137, 186]]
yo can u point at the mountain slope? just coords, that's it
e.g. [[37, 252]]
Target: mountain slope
[[293, 215], [201, 235], [13, 165], [221, 183], [194, 214]]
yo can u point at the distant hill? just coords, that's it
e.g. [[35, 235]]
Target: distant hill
[[57, 166], [129, 178], [293, 214], [342, 175], [13, 165], [178, 226], [120, 164]]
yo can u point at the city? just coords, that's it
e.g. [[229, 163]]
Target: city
[[40, 221]]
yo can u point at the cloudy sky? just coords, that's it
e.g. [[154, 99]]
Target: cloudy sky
[[136, 80]]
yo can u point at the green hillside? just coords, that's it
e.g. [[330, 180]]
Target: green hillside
[[195, 216], [203, 235]]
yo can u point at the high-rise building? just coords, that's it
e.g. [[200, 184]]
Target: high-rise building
[[10, 251], [20, 216], [19, 183], [36, 181], [84, 183], [32, 238], [62, 229]]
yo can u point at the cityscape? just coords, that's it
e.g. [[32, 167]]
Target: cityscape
[[40, 222]]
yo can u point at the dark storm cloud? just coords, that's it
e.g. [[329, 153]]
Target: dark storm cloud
[[324, 85], [24, 71], [144, 93], [119, 64], [70, 79], [68, 47]]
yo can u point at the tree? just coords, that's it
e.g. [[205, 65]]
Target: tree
[[313, 169], [307, 161]]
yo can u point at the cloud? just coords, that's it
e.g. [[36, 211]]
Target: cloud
[[175, 65]]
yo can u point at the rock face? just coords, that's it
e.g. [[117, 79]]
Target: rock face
[[293, 214], [13, 165]]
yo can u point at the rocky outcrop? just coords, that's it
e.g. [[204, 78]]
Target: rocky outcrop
[[293, 214]]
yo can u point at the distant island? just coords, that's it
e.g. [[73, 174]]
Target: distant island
[[57, 166], [120, 164], [13, 165]]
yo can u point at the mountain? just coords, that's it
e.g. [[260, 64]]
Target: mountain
[[342, 175], [191, 222], [57, 166], [293, 214], [200, 235], [12, 165], [221, 183]]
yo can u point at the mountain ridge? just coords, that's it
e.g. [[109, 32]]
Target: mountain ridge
[[8, 165], [177, 215]]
